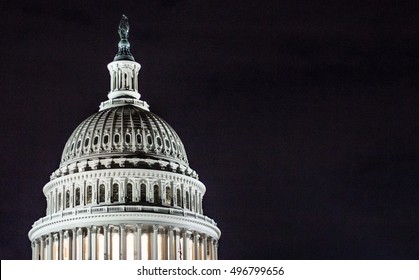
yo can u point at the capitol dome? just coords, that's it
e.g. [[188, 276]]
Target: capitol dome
[[124, 188], [131, 136]]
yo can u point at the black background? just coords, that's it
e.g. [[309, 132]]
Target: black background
[[301, 117]]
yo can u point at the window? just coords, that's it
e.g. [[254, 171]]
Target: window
[[59, 201], [77, 199], [139, 140], [67, 199], [149, 140], [78, 144], [95, 140], [127, 138], [115, 193], [89, 194], [106, 139], [178, 198], [143, 191], [116, 138], [159, 141], [169, 200], [187, 200], [101, 193], [128, 198], [86, 142], [157, 198]]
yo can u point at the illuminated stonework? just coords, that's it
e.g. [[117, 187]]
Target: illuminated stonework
[[124, 188]]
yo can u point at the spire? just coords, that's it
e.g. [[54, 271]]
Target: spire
[[123, 45], [124, 74]]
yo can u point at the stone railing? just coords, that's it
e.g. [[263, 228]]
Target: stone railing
[[123, 208]]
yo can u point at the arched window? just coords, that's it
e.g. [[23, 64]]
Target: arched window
[[101, 193], [127, 138], [106, 139], [187, 200], [115, 193], [139, 140], [86, 142], [169, 200], [59, 201], [143, 192], [77, 198], [157, 198], [149, 139], [116, 138], [159, 141], [128, 197], [88, 194], [178, 198], [67, 199], [95, 140]]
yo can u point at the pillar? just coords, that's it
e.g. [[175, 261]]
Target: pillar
[[185, 245], [171, 241], [73, 244], [93, 242], [215, 250], [196, 245], [154, 243], [122, 243], [105, 243], [138, 241], [205, 240], [89, 244], [42, 255], [60, 245]]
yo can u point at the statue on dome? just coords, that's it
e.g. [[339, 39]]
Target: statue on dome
[[123, 28]]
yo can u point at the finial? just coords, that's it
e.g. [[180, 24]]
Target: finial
[[123, 45]]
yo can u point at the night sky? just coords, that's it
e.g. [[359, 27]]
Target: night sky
[[301, 117]]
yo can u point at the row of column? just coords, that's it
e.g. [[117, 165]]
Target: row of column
[[124, 79], [148, 242]]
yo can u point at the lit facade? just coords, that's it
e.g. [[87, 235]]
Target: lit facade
[[124, 188]]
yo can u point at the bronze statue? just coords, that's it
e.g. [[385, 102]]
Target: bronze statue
[[123, 28]]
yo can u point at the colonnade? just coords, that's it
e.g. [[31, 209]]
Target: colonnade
[[121, 242]]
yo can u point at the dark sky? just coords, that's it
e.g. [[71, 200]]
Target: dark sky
[[301, 117]]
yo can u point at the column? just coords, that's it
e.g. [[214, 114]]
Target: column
[[33, 249], [93, 242], [42, 248], [49, 247], [138, 241], [73, 244], [205, 240], [89, 243], [105, 243], [112, 79], [178, 249], [154, 243], [79, 247], [37, 252], [196, 245], [122, 243], [171, 241], [60, 245], [185, 244], [215, 250]]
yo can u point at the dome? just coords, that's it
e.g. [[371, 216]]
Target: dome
[[126, 135], [124, 174]]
